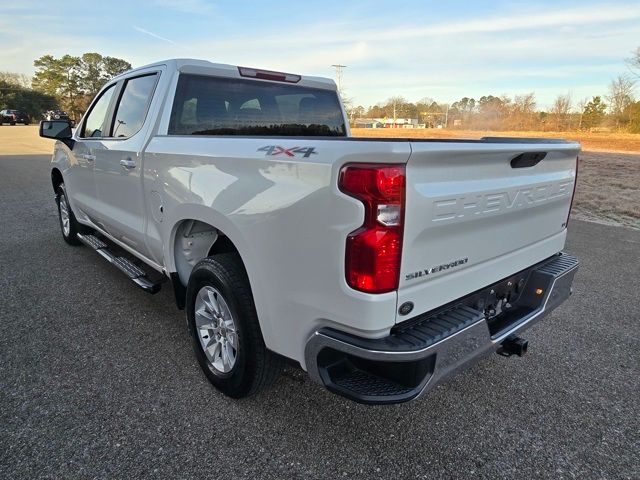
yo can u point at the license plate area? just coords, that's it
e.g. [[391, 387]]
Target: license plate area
[[503, 302], [513, 300]]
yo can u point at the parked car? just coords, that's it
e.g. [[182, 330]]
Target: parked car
[[14, 116], [56, 115], [380, 266], [59, 115]]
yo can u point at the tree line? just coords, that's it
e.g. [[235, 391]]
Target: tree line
[[618, 109], [68, 83]]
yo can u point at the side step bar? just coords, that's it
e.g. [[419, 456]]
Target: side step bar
[[135, 274]]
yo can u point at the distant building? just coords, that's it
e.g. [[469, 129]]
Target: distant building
[[401, 123], [368, 123], [387, 123]]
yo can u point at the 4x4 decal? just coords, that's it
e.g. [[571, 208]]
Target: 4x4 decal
[[289, 152]]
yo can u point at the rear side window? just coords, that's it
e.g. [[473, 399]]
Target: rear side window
[[133, 105], [94, 124], [222, 106]]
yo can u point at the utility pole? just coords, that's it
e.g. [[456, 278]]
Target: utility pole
[[339, 68]]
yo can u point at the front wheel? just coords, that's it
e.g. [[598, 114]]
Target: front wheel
[[69, 226], [224, 326]]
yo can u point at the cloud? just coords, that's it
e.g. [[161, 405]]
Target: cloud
[[154, 35], [523, 21]]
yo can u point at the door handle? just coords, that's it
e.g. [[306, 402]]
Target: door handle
[[89, 158], [127, 163]]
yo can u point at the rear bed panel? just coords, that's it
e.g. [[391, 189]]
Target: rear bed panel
[[471, 219]]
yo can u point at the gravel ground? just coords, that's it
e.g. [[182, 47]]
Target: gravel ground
[[97, 380]]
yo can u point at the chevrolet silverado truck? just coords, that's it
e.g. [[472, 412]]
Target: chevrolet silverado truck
[[379, 266]]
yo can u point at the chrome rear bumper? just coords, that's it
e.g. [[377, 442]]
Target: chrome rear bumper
[[421, 352]]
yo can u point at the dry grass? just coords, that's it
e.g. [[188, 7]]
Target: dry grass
[[609, 188], [596, 142], [608, 183]]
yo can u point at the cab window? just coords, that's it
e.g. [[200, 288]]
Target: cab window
[[206, 105], [133, 105], [94, 125]]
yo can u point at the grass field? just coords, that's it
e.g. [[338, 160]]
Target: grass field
[[608, 183], [595, 142]]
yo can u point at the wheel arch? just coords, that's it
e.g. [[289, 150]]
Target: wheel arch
[[229, 237], [193, 240], [56, 179]]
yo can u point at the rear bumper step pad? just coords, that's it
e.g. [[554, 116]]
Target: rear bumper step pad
[[126, 266], [419, 353]]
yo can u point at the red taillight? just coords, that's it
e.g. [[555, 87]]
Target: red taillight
[[269, 75], [573, 195], [374, 250]]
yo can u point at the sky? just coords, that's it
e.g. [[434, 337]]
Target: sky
[[439, 49]]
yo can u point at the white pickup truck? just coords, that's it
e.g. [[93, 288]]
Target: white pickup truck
[[379, 266]]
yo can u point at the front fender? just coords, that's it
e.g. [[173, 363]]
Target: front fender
[[61, 158]]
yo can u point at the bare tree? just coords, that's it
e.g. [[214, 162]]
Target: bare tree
[[620, 98], [581, 106], [634, 62], [523, 110], [560, 111], [19, 79], [397, 103]]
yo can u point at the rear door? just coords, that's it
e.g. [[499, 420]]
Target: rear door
[[479, 212], [118, 166]]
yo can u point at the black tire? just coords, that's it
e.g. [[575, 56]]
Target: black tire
[[13, 123], [255, 367], [71, 236]]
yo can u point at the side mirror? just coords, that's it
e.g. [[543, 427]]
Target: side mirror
[[56, 129]]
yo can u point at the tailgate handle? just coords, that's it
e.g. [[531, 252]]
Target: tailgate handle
[[527, 159]]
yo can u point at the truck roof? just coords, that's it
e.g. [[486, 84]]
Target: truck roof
[[205, 67]]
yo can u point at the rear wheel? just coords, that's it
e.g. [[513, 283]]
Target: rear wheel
[[224, 327]]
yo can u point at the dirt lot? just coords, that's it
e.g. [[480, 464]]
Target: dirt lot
[[609, 188], [23, 140], [608, 185]]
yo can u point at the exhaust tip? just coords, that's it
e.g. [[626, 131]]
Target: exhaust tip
[[513, 345]]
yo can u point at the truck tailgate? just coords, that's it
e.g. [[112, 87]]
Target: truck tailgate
[[474, 215]]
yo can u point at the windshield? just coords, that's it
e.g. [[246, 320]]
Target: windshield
[[222, 106]]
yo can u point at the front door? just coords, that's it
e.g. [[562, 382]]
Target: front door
[[79, 180]]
